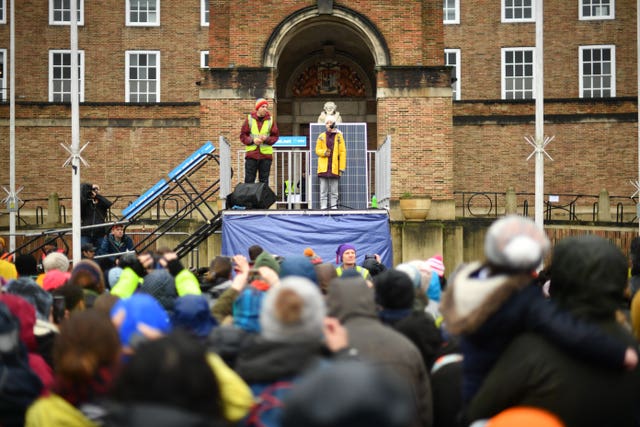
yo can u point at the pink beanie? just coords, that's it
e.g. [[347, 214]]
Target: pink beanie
[[53, 279], [436, 264]]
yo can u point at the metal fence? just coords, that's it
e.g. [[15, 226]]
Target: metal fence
[[383, 174], [560, 207], [289, 172]]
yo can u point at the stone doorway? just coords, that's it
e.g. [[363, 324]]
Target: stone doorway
[[326, 57]]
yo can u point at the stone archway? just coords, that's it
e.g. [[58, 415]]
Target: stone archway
[[305, 18], [308, 44]]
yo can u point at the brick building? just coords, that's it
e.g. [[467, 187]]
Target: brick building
[[157, 80]]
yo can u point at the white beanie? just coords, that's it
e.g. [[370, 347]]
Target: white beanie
[[411, 271], [425, 273], [293, 311], [516, 243], [55, 261]]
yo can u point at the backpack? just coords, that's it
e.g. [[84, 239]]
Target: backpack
[[267, 410]]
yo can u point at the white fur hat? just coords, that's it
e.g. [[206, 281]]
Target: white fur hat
[[293, 311], [516, 243], [55, 261]]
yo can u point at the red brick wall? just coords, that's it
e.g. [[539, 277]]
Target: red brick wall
[[480, 36], [587, 157], [412, 29], [126, 154], [420, 133], [105, 38]]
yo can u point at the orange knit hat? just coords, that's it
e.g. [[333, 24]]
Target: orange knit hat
[[315, 259], [260, 102], [523, 416]]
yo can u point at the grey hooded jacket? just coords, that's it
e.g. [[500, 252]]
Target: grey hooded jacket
[[352, 302]]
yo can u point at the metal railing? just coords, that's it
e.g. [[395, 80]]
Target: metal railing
[[289, 172], [561, 207], [31, 212], [382, 182], [469, 204]]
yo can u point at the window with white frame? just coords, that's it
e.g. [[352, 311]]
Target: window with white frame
[[518, 11], [451, 11], [60, 12], [3, 11], [597, 71], [3, 75], [142, 76], [452, 59], [143, 13], [597, 9], [60, 76], [204, 59], [518, 73], [204, 13]]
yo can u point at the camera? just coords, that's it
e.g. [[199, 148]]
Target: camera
[[332, 126], [371, 263]]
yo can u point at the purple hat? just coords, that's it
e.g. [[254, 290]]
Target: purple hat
[[341, 250]]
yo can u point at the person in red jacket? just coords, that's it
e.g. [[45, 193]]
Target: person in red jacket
[[259, 132]]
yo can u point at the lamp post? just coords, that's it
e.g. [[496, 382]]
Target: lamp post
[[12, 198], [75, 136], [539, 136]]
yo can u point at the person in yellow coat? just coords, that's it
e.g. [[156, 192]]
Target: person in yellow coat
[[332, 162]]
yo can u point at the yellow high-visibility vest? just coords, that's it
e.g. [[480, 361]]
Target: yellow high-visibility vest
[[363, 271], [255, 132]]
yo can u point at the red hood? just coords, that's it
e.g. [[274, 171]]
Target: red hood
[[26, 314]]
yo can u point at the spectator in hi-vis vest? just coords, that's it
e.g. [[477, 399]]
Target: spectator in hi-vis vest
[[259, 133], [346, 260]]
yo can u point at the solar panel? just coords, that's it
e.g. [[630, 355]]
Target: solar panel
[[353, 183], [145, 199], [179, 172], [192, 161]]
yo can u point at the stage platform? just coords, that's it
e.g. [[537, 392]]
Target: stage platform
[[289, 232]]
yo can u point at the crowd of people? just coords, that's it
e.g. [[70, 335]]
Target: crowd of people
[[259, 339]]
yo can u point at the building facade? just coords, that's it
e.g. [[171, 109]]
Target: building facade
[[590, 92], [158, 78]]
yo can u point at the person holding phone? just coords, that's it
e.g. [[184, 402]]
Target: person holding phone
[[332, 162]]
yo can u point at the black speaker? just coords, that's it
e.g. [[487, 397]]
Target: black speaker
[[257, 195]]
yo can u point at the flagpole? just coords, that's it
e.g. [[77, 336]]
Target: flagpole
[[539, 136], [11, 200], [75, 136]]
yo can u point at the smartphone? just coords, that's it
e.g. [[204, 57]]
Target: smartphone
[[59, 307]]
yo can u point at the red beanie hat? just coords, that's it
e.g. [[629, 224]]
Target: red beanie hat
[[260, 102]]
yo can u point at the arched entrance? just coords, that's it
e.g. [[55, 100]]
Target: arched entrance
[[325, 57]]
